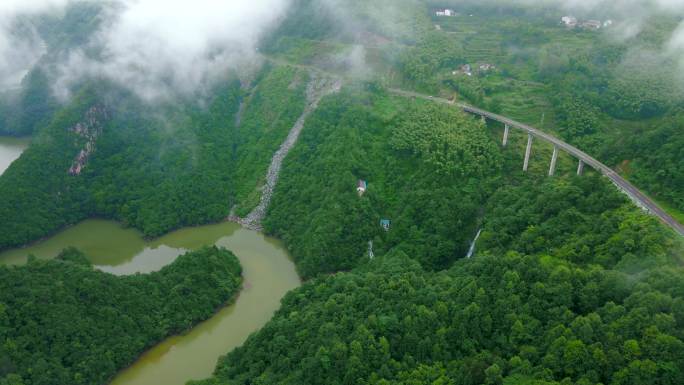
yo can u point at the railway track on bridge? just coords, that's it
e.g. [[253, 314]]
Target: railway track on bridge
[[636, 195]]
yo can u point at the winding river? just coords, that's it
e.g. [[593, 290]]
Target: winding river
[[10, 149], [268, 274]]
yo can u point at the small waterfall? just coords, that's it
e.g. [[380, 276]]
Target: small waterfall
[[371, 255], [240, 112], [471, 251]]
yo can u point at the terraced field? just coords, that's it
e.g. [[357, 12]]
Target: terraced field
[[480, 45]]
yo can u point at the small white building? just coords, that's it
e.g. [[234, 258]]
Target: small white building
[[569, 21], [607, 23], [361, 187], [446, 12]]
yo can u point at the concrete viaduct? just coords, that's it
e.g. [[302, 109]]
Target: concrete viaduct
[[639, 198]]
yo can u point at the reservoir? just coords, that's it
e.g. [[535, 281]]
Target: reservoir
[[10, 149], [267, 270]]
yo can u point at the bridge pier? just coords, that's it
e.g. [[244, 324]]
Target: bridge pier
[[584, 159], [528, 151], [505, 138], [580, 167], [554, 159], [484, 120]]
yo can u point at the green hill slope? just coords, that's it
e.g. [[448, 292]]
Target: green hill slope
[[153, 168], [62, 322]]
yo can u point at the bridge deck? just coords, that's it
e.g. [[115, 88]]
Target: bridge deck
[[632, 192]]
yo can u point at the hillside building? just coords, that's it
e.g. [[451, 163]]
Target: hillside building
[[569, 21], [361, 187], [446, 12], [592, 24]]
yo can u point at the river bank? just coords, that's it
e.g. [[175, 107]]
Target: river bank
[[268, 274]]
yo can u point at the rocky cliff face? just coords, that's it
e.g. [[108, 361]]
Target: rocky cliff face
[[86, 134]]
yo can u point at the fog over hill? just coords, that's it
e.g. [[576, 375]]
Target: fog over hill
[[157, 47], [19, 53], [152, 45], [630, 15]]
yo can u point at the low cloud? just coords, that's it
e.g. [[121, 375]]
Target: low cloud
[[159, 47], [14, 7], [155, 47], [632, 17], [17, 56], [20, 49], [625, 5]]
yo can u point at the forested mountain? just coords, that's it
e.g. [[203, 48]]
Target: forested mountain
[[584, 290], [62, 322], [29, 107], [156, 169], [610, 98], [569, 282], [436, 175], [614, 94], [504, 319], [428, 171]]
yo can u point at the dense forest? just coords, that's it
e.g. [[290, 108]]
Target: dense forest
[[570, 285], [154, 169], [189, 162], [594, 88], [617, 98], [25, 110], [62, 322], [428, 169], [504, 319], [437, 175], [581, 219], [569, 282]]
